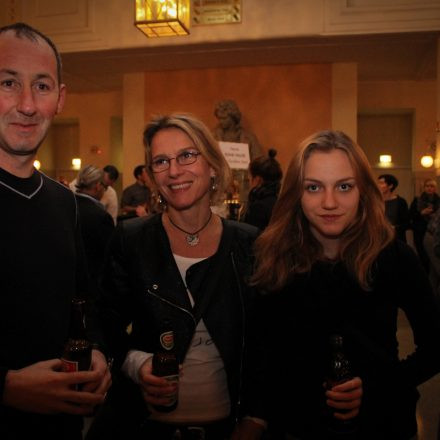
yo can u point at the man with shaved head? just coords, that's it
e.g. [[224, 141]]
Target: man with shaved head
[[41, 258]]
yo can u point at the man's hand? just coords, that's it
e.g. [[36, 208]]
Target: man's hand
[[43, 388], [347, 397], [100, 365]]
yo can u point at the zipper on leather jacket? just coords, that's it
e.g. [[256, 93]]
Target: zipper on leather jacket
[[173, 305], [243, 320]]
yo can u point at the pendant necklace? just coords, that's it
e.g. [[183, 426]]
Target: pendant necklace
[[192, 238]]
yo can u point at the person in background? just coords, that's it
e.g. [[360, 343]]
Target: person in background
[[96, 223], [41, 259], [136, 198], [189, 267], [431, 243], [265, 178], [330, 264], [109, 198], [421, 211], [396, 207]]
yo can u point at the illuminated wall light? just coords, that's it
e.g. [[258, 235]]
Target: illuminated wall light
[[385, 160], [37, 164], [76, 163], [427, 161]]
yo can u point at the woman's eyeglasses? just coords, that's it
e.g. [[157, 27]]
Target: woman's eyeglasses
[[160, 164]]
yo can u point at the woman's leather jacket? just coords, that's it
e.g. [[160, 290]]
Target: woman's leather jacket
[[142, 288]]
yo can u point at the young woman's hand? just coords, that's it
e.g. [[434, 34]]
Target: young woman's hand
[[346, 398]]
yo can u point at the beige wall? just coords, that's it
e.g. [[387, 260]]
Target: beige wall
[[280, 104], [94, 112], [418, 96], [390, 134], [132, 125], [344, 98], [81, 25]]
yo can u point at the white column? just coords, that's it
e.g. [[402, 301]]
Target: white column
[[133, 108]]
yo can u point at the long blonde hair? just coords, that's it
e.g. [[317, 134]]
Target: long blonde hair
[[287, 246]]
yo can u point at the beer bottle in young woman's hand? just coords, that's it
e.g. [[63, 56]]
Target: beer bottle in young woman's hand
[[339, 371]]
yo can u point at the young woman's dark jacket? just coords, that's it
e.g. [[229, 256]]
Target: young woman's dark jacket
[[142, 287], [300, 318]]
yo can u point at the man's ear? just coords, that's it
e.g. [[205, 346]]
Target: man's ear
[[61, 98]]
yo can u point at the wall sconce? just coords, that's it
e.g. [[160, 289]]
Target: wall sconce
[[427, 161], [37, 164], [162, 18], [76, 163], [385, 160]]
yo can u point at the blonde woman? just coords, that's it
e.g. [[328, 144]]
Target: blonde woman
[[329, 263], [184, 268]]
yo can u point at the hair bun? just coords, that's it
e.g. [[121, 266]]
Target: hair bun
[[272, 153]]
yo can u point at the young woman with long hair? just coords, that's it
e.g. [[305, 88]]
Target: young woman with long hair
[[329, 264]]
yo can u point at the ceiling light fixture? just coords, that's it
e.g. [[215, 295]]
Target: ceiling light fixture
[[162, 18]]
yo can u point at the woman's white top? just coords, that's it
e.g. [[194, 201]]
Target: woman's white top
[[203, 390]]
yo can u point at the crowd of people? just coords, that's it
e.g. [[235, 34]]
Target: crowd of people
[[251, 305]]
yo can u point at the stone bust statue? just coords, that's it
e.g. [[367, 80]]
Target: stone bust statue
[[229, 128]]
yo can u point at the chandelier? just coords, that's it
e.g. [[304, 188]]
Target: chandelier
[[162, 18]]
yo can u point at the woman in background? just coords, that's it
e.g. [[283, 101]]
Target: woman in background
[[396, 207], [421, 211], [96, 223], [265, 177], [329, 264]]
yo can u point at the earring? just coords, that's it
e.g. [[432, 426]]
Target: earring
[[161, 203], [213, 184]]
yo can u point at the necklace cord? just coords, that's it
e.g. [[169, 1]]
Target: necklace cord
[[191, 233]]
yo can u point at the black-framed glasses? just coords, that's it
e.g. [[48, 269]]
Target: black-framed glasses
[[162, 163]]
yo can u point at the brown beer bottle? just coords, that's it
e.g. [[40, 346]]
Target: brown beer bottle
[[77, 355], [339, 371], [165, 365]]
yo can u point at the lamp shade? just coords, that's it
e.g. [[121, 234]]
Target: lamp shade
[[162, 18]]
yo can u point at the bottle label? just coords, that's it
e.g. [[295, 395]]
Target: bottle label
[[69, 366], [167, 340], [172, 398]]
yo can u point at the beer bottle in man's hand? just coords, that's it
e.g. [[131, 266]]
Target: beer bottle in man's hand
[[339, 371], [165, 364], [77, 355]]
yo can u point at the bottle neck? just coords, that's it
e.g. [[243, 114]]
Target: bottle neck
[[77, 329]]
